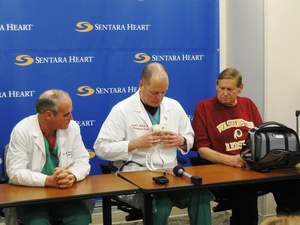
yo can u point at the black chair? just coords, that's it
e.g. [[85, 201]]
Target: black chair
[[3, 176], [133, 213]]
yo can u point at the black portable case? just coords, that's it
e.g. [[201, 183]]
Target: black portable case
[[271, 145]]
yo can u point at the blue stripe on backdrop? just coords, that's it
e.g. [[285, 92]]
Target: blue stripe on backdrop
[[96, 50]]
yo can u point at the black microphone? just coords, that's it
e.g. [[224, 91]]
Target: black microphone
[[179, 171]]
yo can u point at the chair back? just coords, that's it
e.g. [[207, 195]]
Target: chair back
[[3, 174]]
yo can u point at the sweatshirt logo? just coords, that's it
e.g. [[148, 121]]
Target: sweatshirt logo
[[237, 133]]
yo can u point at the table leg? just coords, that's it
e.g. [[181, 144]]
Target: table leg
[[106, 210], [148, 208]]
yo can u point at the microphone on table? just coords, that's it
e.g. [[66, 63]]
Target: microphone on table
[[179, 172]]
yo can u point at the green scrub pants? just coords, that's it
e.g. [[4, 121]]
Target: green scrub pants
[[70, 212], [197, 202]]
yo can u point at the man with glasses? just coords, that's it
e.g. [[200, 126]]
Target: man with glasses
[[46, 150], [221, 126], [144, 132]]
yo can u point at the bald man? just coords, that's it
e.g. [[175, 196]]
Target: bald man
[[46, 150], [144, 132]]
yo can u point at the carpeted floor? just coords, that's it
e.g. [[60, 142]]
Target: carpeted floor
[[178, 217]]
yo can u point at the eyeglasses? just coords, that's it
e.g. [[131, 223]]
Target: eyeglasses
[[156, 93]]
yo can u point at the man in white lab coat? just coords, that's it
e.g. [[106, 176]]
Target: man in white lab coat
[[46, 150], [143, 132]]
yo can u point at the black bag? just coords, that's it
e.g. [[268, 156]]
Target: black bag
[[271, 145]]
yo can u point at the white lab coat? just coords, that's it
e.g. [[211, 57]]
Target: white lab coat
[[129, 120], [26, 155]]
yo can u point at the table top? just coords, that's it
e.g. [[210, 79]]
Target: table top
[[92, 186], [214, 175], [143, 179], [222, 175]]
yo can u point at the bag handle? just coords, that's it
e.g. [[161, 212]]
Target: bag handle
[[271, 123], [245, 150]]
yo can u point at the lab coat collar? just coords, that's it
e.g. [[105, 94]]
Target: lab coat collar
[[38, 135], [60, 138], [140, 109]]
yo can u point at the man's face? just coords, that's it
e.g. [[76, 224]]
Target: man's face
[[63, 116], [153, 92], [227, 91]]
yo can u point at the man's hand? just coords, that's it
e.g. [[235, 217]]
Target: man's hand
[[50, 181], [218, 157], [235, 161], [62, 178], [171, 139], [145, 141]]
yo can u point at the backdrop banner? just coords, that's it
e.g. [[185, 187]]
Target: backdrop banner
[[96, 50]]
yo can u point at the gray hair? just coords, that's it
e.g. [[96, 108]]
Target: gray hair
[[49, 100]]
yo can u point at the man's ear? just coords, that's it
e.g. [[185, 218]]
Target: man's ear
[[241, 87], [141, 83], [217, 85], [48, 114]]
